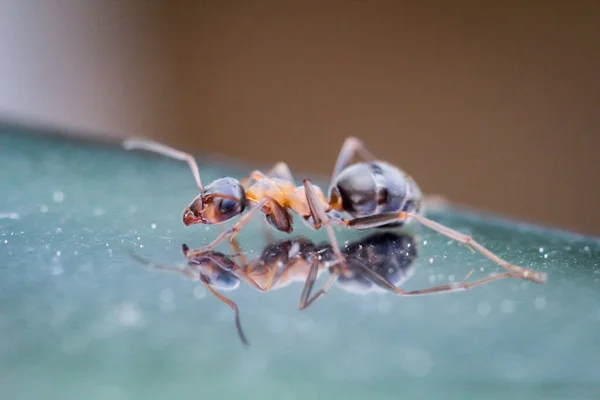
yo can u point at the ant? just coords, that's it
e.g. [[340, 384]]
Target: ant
[[381, 261], [374, 193]]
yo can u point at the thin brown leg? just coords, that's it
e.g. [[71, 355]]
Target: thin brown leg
[[320, 217], [451, 287], [281, 170], [382, 219], [149, 145], [350, 147], [231, 231], [187, 272], [231, 304], [305, 302]]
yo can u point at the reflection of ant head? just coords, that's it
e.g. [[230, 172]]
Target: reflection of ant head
[[215, 267]]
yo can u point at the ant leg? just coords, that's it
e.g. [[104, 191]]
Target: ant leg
[[231, 304], [233, 230], [143, 144], [281, 170], [255, 175], [305, 301], [350, 147], [188, 273], [320, 217], [383, 219], [451, 287]]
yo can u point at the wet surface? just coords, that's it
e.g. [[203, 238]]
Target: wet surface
[[81, 318]]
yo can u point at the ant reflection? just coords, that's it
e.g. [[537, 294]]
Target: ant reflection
[[380, 261]]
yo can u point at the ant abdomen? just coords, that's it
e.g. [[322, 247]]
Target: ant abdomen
[[375, 188]]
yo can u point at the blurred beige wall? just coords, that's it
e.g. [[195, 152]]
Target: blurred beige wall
[[97, 66], [497, 107]]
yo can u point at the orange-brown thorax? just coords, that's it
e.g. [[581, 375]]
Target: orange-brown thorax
[[286, 194]]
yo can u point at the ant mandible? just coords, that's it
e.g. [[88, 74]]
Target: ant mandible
[[373, 193]]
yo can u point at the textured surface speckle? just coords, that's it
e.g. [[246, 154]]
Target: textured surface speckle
[[80, 319]]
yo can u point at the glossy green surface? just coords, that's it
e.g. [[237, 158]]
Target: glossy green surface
[[79, 319]]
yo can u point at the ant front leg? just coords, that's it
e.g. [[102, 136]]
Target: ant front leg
[[305, 299], [233, 230], [320, 218], [384, 219]]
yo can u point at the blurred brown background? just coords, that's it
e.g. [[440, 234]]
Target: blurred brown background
[[495, 106]]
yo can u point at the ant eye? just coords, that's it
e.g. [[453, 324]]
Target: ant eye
[[227, 205]]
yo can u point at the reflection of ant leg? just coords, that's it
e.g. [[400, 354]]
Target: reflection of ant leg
[[451, 287], [305, 301], [242, 271], [231, 304], [383, 219], [320, 217], [189, 274]]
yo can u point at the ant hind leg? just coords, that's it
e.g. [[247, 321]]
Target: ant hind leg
[[350, 147], [383, 219]]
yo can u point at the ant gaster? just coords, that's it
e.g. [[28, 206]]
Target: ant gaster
[[373, 193]]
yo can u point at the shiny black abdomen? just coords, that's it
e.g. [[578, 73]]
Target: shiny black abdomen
[[374, 188]]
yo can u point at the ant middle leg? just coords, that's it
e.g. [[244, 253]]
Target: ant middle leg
[[280, 170], [383, 219]]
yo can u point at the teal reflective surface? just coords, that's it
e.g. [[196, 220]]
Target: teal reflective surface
[[81, 319]]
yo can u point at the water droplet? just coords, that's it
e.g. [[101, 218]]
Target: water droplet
[[384, 306], [58, 196], [11, 215], [540, 303], [508, 306], [129, 315], [424, 242], [546, 255], [199, 292], [153, 226], [484, 308], [541, 249], [431, 260], [58, 253]]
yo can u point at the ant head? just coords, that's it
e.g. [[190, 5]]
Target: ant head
[[220, 201]]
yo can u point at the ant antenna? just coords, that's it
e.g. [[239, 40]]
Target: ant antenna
[[144, 144]]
